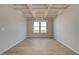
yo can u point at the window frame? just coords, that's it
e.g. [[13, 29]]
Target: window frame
[[35, 26], [43, 26], [40, 26]]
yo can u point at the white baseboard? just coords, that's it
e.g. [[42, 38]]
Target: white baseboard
[[11, 46], [68, 47]]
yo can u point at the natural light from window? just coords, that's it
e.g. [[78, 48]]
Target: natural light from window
[[40, 27]]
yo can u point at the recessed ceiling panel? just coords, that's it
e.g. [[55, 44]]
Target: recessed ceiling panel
[[40, 10], [39, 6]]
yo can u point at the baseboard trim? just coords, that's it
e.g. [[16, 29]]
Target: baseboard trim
[[11, 46], [68, 47]]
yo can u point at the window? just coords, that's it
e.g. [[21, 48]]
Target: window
[[40, 27], [36, 27], [43, 27]]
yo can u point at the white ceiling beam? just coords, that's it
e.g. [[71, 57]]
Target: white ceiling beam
[[31, 10], [46, 13], [62, 10]]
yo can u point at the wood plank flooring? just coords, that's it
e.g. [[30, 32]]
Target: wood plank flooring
[[39, 46]]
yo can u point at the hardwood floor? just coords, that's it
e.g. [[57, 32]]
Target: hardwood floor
[[39, 46]]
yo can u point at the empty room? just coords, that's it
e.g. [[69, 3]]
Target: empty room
[[39, 29]]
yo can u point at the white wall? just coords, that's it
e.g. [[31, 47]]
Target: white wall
[[12, 27], [30, 29], [66, 28]]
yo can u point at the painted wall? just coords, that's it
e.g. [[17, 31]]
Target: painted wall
[[30, 29], [66, 28], [12, 27]]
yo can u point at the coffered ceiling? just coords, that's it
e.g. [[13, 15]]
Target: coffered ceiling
[[36, 11]]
